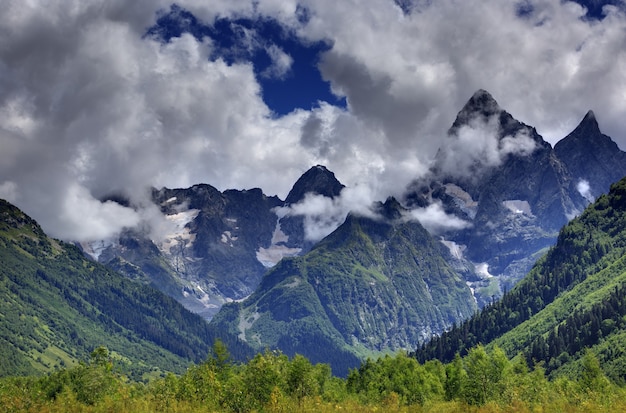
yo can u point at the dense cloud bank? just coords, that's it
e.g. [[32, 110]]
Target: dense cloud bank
[[92, 106]]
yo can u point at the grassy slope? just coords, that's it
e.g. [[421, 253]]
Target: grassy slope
[[56, 307], [562, 306], [368, 287]]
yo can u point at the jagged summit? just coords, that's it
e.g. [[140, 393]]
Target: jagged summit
[[318, 180], [480, 104], [588, 128], [391, 209], [592, 156]]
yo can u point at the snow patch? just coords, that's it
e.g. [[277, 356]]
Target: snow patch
[[470, 285], [518, 206], [456, 250], [228, 238], [277, 250], [95, 248], [179, 236], [482, 269], [272, 255], [463, 199]]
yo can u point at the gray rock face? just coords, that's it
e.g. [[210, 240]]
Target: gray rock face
[[218, 244], [517, 191], [209, 254], [318, 181], [591, 157]]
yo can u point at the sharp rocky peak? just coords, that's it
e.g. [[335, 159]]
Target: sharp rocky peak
[[317, 180], [391, 209], [586, 132], [480, 104], [588, 126]]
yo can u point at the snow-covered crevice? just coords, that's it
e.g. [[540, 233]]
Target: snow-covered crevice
[[178, 239], [179, 235], [228, 238], [95, 248], [456, 250], [277, 250]]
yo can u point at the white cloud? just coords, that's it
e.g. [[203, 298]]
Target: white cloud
[[281, 63], [87, 102], [477, 145], [323, 215], [84, 218], [585, 190], [436, 220]]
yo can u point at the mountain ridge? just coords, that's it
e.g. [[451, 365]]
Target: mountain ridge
[[372, 285], [228, 245], [57, 307]]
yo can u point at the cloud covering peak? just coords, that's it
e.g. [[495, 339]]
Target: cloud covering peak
[[91, 104]]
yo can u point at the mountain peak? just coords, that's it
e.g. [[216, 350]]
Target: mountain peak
[[589, 125], [391, 209], [318, 180], [480, 104], [481, 95], [587, 130], [591, 155]]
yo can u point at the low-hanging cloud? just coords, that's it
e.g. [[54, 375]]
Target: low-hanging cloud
[[477, 146], [584, 189], [436, 220], [322, 215], [90, 106]]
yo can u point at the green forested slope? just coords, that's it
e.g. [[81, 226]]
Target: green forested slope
[[56, 307], [574, 298], [373, 285]]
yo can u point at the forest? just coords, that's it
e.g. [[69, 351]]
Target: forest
[[482, 381]]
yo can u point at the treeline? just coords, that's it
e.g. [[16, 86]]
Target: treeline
[[57, 306], [272, 382], [579, 331]]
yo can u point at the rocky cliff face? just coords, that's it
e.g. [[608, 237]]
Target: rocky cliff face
[[592, 158], [218, 244], [516, 190]]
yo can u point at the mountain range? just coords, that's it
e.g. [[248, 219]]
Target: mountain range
[[380, 281], [516, 192], [373, 285]]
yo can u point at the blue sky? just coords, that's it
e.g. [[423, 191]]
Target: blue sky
[[237, 40], [112, 96]]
